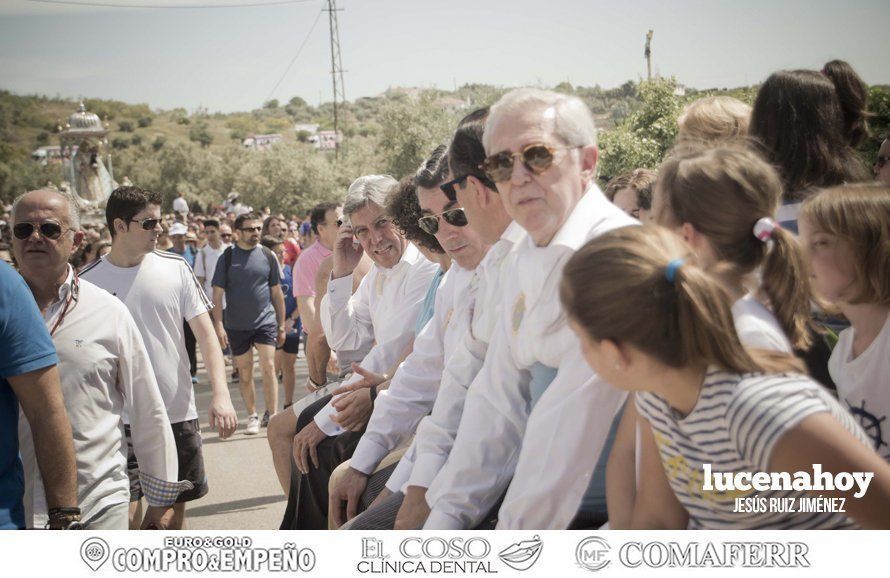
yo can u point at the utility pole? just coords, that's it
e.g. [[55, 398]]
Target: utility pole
[[648, 54], [336, 71]]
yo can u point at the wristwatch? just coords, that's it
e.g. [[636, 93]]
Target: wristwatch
[[64, 519]]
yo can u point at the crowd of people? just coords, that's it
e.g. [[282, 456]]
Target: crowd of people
[[491, 341]]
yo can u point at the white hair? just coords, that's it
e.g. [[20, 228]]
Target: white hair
[[73, 212], [568, 116], [365, 190]]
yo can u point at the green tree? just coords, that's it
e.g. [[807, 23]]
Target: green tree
[[411, 129], [200, 134], [125, 126], [145, 121]]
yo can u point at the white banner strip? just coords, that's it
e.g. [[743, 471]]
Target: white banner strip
[[343, 554]]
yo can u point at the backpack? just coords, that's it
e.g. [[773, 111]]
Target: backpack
[[270, 257]]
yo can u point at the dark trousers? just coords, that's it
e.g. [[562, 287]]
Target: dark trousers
[[307, 502], [190, 343]]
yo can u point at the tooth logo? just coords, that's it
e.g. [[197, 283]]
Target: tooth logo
[[94, 552], [522, 555]]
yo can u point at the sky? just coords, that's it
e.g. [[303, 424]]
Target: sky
[[230, 59]]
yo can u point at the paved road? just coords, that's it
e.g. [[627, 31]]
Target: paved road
[[244, 491]]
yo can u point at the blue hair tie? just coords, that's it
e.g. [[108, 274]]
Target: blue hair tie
[[670, 272]]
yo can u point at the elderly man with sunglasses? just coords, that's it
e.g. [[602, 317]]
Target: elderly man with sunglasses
[[536, 418], [98, 344], [381, 311], [161, 291]]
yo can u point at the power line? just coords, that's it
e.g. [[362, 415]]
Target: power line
[[171, 6], [294, 59]]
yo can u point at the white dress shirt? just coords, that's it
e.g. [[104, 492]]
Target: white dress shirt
[[413, 390], [382, 311], [549, 453], [103, 369], [436, 433]]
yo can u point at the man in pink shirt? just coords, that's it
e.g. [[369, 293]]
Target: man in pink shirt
[[324, 219]]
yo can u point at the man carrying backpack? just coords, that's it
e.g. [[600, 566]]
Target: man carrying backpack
[[248, 275]]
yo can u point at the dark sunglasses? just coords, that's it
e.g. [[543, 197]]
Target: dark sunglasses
[[251, 229], [147, 224], [450, 188], [537, 158], [881, 161], [48, 230], [454, 217], [225, 235]]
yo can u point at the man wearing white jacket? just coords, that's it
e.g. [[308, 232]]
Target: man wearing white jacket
[[105, 373], [536, 418]]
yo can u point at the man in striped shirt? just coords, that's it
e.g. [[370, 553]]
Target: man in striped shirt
[[161, 291]]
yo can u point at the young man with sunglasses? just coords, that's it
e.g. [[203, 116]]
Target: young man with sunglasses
[[882, 164], [486, 214], [382, 311], [415, 385], [98, 343], [161, 291], [248, 276], [536, 418]]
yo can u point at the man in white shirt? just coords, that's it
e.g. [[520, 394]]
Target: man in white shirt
[[180, 205], [98, 344], [435, 434], [536, 418], [414, 387], [161, 291], [381, 311], [219, 237]]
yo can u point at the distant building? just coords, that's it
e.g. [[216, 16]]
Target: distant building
[[307, 128], [326, 140], [50, 154], [261, 141], [451, 104]]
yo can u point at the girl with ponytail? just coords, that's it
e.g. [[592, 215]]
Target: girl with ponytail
[[723, 201], [659, 325]]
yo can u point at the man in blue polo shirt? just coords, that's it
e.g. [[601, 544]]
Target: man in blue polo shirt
[[28, 375]]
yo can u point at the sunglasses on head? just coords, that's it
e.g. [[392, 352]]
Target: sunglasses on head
[[147, 224], [48, 230], [537, 158], [454, 217]]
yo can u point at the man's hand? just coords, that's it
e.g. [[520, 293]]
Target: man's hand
[[157, 518], [369, 379], [347, 253], [333, 364], [281, 336], [289, 325], [222, 415], [353, 410], [349, 490], [305, 443], [222, 336], [414, 510]]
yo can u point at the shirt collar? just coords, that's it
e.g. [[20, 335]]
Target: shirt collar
[[591, 211], [65, 288]]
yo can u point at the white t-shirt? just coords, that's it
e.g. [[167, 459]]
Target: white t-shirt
[[180, 205], [205, 265], [160, 292], [863, 384], [757, 326]]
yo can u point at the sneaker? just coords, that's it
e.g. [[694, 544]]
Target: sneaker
[[265, 422], [195, 380], [235, 375], [253, 425]]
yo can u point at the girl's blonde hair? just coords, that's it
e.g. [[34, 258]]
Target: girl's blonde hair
[[618, 287], [860, 215], [714, 119], [723, 192]]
